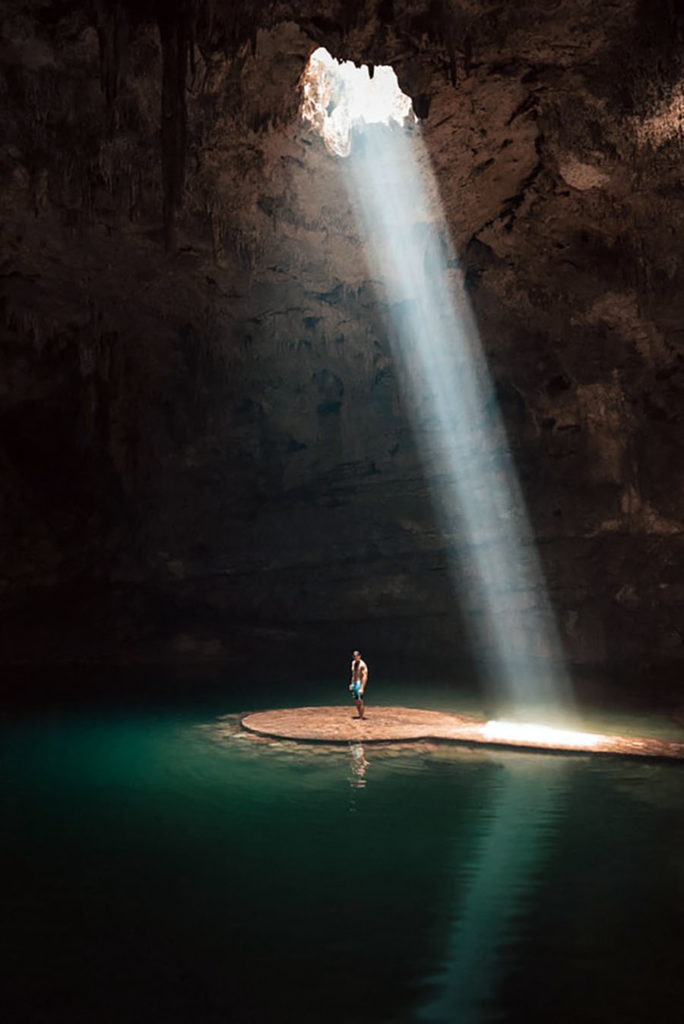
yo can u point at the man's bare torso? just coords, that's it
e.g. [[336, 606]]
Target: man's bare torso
[[359, 671]]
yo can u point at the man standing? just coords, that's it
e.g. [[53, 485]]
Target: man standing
[[359, 678]]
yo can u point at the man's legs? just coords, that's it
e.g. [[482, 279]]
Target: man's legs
[[359, 706]]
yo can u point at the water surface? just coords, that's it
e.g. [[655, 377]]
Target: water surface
[[160, 866]]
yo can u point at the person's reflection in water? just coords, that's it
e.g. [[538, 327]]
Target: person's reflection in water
[[359, 764]]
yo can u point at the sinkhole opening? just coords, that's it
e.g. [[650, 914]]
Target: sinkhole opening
[[337, 96]]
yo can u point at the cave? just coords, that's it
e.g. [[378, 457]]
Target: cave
[[215, 486], [204, 433]]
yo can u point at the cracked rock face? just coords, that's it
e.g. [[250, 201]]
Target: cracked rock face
[[197, 389]]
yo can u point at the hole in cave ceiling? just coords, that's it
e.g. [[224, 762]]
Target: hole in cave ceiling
[[338, 95]]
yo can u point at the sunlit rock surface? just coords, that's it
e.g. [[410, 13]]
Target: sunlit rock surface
[[389, 724], [200, 414]]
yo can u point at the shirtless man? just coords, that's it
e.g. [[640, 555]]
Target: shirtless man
[[359, 678]]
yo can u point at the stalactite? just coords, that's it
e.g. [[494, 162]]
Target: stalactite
[[182, 26], [453, 68], [467, 53], [175, 35], [113, 32]]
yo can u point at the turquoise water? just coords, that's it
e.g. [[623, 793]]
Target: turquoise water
[[159, 865]]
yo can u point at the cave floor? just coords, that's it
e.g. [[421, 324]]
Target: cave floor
[[387, 724]]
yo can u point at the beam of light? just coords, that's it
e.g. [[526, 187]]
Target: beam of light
[[517, 834], [454, 412]]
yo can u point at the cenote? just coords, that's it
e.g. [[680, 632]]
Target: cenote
[[163, 865], [326, 326]]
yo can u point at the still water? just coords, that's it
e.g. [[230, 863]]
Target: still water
[[159, 865]]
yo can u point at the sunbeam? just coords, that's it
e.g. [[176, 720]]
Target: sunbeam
[[451, 401]]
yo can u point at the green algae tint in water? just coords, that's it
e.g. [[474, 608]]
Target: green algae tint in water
[[160, 868]]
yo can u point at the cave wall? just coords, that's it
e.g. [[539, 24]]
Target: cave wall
[[200, 412]]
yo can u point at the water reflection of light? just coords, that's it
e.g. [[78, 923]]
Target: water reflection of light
[[517, 835], [450, 397]]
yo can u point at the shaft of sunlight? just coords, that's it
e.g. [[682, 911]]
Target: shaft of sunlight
[[454, 411]]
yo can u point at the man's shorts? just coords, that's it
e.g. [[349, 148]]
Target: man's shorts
[[356, 691]]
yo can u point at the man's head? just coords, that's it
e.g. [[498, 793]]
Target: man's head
[[357, 655]]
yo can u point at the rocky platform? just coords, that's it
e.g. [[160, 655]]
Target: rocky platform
[[388, 724]]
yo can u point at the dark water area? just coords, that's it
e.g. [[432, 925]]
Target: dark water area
[[161, 865]]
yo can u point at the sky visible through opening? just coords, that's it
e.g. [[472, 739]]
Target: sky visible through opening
[[337, 96], [444, 379]]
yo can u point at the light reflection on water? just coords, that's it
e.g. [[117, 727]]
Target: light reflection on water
[[497, 890], [170, 867]]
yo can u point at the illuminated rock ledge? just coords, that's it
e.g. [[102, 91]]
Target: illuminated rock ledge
[[387, 724]]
